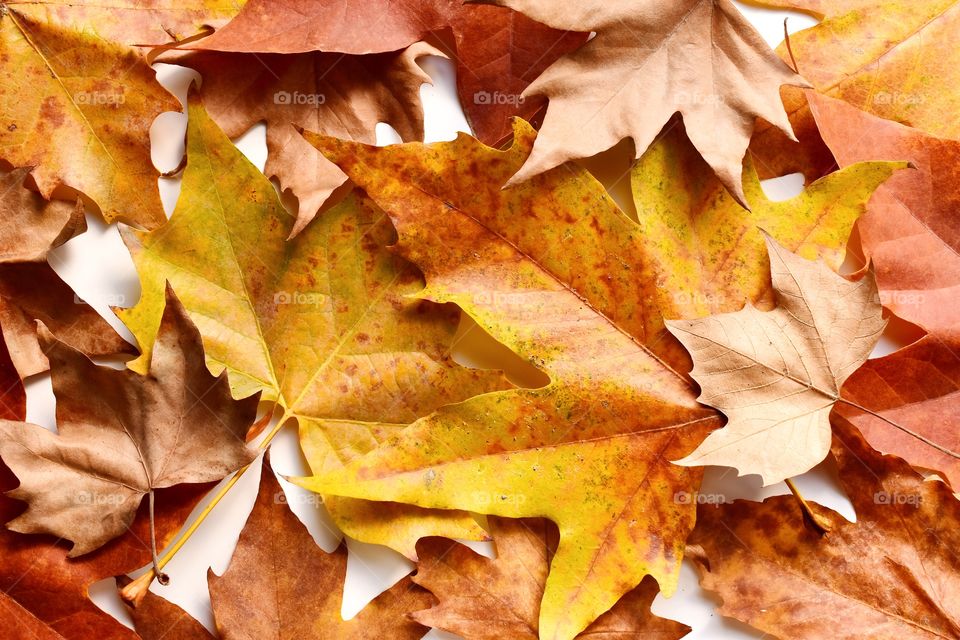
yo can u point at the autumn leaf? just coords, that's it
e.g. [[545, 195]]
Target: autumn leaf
[[549, 269], [649, 60], [321, 324], [30, 290], [344, 96], [776, 375], [34, 567], [130, 22], [910, 232], [85, 484], [78, 108], [882, 56], [13, 399], [280, 584], [916, 387], [892, 574], [497, 52], [707, 252], [499, 599]]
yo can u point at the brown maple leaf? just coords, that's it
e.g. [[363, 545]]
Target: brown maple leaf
[[156, 618], [34, 567], [280, 584], [499, 599], [122, 435], [649, 60], [497, 52], [777, 374], [892, 575], [30, 290]]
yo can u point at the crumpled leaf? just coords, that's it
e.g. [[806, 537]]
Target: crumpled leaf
[[344, 96], [777, 374], [34, 567], [497, 52], [891, 575], [707, 252], [887, 57], [917, 387], [78, 108], [649, 60], [910, 232], [122, 435], [549, 270], [280, 584], [499, 599], [13, 398], [321, 324], [30, 290]]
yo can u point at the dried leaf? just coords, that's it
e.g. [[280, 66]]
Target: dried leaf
[[30, 290], [280, 584], [484, 599], [649, 60], [548, 270], [78, 109], [910, 232], [34, 567], [707, 252], [497, 52], [344, 96], [777, 374], [321, 324], [891, 575], [917, 387], [122, 435]]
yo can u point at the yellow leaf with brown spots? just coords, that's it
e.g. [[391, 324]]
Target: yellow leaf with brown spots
[[707, 252], [321, 324], [78, 108], [553, 270], [894, 574]]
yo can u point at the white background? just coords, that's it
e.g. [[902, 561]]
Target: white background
[[98, 267]]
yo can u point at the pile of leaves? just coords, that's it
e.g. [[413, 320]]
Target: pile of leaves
[[704, 324]]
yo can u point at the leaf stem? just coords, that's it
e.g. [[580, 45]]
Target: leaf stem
[[133, 593], [808, 513], [786, 38], [162, 578], [907, 431]]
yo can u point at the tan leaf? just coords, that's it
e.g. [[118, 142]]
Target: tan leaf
[[122, 435], [649, 60], [777, 374]]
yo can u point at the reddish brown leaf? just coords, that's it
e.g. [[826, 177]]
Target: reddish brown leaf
[[280, 584], [155, 618], [892, 575], [499, 599]]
